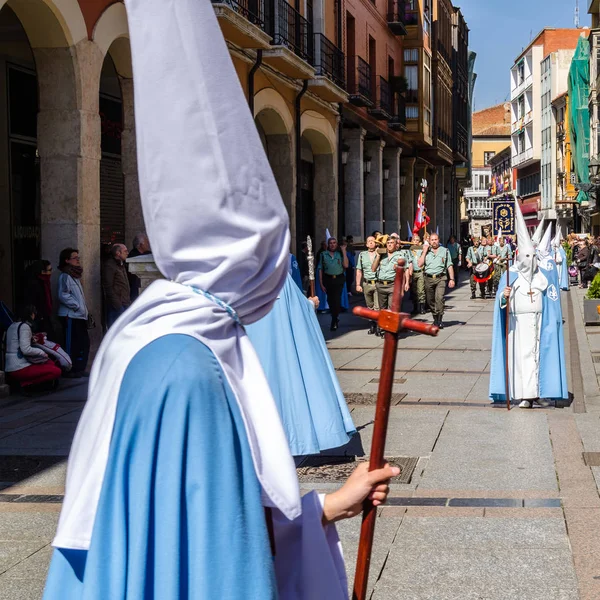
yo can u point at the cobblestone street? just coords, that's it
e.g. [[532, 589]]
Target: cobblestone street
[[499, 506]]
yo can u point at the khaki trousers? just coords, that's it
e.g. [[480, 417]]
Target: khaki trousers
[[435, 290], [370, 293], [384, 294], [418, 287]]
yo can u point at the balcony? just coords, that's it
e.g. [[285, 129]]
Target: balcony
[[522, 87], [382, 110], [398, 120], [396, 16], [360, 83], [243, 22], [292, 47], [523, 158], [330, 64]]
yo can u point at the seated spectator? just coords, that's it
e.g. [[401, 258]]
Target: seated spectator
[[25, 365], [39, 294], [116, 284]]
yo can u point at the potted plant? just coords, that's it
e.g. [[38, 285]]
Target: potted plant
[[591, 302]]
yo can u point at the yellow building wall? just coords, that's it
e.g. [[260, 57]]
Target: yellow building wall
[[480, 147]]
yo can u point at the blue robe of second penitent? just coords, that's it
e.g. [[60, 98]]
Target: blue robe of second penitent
[[293, 354], [180, 513], [553, 370]]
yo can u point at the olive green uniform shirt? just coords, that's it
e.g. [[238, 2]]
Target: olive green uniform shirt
[[332, 265], [365, 264], [437, 263], [415, 253], [387, 266]]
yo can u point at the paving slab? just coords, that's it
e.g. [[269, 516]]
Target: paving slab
[[13, 552], [371, 359], [480, 450], [21, 589], [35, 527], [410, 432], [342, 356]]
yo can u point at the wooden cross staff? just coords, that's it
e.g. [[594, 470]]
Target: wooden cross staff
[[392, 322]]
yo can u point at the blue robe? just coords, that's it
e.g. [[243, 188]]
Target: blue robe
[[553, 368], [295, 271], [180, 513], [564, 274], [293, 354]]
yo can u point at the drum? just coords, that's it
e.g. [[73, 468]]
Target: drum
[[482, 272]]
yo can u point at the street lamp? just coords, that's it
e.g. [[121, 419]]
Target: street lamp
[[594, 167], [345, 152], [367, 165], [386, 172]]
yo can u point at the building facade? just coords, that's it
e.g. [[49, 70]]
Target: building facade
[[490, 136], [538, 75]]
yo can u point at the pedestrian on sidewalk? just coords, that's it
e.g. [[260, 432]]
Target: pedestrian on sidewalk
[[417, 278], [72, 311], [38, 293], [26, 365], [366, 279], [334, 261], [115, 283], [439, 271]]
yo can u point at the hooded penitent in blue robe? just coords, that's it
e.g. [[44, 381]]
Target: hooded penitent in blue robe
[[179, 488], [293, 354], [295, 271], [563, 270], [553, 370]]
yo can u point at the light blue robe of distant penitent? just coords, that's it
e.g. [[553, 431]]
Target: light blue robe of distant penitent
[[553, 367], [564, 270], [293, 354], [180, 513]]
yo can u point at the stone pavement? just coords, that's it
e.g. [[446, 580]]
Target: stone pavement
[[500, 506]]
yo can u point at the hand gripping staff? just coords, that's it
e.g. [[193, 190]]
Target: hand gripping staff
[[392, 322]]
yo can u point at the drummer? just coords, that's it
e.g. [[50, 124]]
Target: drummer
[[487, 255], [475, 257]]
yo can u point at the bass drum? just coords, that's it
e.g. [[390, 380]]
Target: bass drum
[[482, 272]]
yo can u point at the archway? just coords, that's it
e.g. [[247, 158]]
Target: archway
[[275, 124], [39, 111], [319, 149]]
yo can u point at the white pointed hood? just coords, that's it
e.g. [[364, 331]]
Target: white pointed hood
[[526, 262], [219, 233], [557, 241], [545, 246], [499, 234], [537, 236]]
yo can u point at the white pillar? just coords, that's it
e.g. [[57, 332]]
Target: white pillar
[[354, 191], [374, 187]]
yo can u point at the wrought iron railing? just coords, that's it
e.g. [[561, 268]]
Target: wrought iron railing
[[385, 96], [253, 10], [399, 112], [329, 60], [289, 28], [397, 11], [359, 77]]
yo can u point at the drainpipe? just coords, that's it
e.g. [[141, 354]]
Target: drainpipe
[[298, 112], [341, 182], [253, 70]]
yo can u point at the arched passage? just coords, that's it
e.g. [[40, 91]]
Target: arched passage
[[275, 125], [46, 139], [319, 174]]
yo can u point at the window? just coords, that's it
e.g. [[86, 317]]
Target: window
[[487, 156], [521, 143], [521, 107], [411, 55], [411, 72], [521, 72], [427, 16], [528, 185]]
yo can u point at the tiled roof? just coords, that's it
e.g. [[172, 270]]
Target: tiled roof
[[494, 120]]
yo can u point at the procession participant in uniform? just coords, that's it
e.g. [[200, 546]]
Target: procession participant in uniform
[[474, 257], [503, 254], [366, 278], [488, 256], [437, 267], [456, 255], [180, 447], [331, 277], [385, 267], [536, 359], [417, 279]]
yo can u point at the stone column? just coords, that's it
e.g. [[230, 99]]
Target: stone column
[[69, 148], [440, 201], [374, 187], [354, 191], [407, 194], [280, 152], [134, 218], [391, 192], [325, 193]]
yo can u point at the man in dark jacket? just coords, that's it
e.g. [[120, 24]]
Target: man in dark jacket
[[141, 247], [116, 284]]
